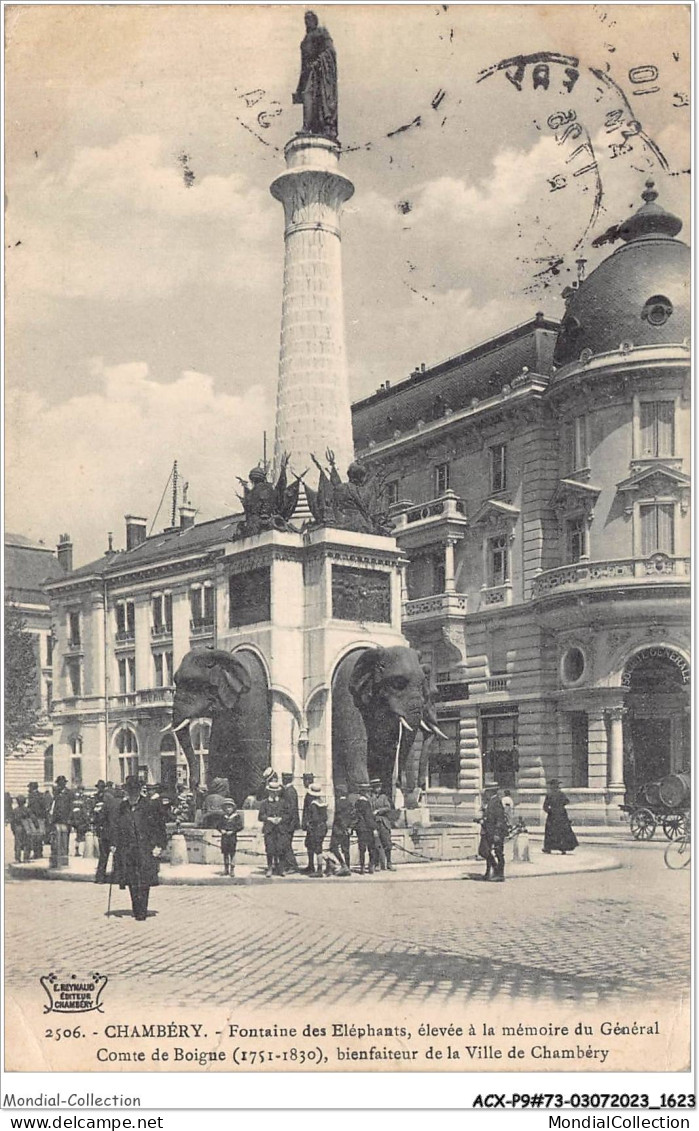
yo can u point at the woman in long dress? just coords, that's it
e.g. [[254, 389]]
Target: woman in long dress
[[558, 833]]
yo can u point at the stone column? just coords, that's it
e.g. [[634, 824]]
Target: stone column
[[596, 750], [144, 658], [313, 405], [470, 762], [180, 624], [616, 747], [449, 566]]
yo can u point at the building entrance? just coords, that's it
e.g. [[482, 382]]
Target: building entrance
[[657, 724], [652, 746]]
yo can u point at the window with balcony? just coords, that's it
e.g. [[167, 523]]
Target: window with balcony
[[575, 538], [74, 630], [161, 608], [49, 650], [125, 620], [441, 478], [201, 599], [392, 491], [162, 664], [657, 528], [498, 560], [127, 674], [74, 673], [49, 695], [657, 429], [498, 467]]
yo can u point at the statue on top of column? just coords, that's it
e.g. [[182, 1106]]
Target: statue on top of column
[[317, 88]]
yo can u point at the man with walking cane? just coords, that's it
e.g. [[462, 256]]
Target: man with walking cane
[[140, 836]]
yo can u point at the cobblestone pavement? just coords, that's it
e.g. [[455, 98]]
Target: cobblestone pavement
[[588, 938]]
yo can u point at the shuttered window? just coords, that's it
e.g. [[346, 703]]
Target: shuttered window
[[657, 419], [657, 528]]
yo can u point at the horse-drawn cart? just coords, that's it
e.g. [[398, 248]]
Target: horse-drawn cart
[[665, 803]]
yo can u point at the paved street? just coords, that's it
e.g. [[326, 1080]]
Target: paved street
[[591, 938]]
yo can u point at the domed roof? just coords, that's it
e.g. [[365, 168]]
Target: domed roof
[[639, 295]]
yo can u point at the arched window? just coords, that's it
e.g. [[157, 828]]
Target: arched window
[[48, 764], [168, 761], [200, 733], [126, 745]]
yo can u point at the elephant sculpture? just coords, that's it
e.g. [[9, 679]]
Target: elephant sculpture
[[209, 683], [391, 691]]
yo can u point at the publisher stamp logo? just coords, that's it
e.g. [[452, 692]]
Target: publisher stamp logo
[[72, 994]]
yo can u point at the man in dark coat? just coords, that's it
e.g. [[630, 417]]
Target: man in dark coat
[[494, 830], [271, 813], [21, 825], [290, 801], [315, 824], [365, 827], [139, 838], [35, 805], [106, 804], [59, 820]]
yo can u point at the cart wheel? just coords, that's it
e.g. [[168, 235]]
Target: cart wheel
[[674, 826], [642, 824]]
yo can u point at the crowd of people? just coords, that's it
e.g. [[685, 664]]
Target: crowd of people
[[368, 813], [129, 824], [58, 816]]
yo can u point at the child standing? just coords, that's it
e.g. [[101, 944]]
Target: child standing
[[231, 826]]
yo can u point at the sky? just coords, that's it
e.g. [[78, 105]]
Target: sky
[[144, 252]]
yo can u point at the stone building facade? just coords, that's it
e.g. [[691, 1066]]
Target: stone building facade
[[540, 484], [540, 489]]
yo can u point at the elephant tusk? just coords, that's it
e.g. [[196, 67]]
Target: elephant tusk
[[404, 724], [433, 729], [184, 723], [164, 730]]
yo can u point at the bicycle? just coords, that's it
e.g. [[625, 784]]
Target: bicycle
[[678, 853]]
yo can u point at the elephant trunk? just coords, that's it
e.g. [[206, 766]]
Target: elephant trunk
[[390, 739], [180, 726]]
